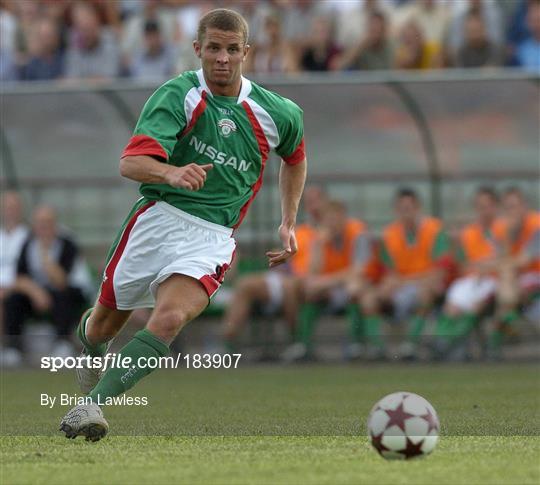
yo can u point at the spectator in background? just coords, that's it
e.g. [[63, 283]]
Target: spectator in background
[[155, 60], [414, 252], [133, 36], [43, 284], [45, 61], [8, 69], [277, 289], [490, 16], [339, 254], [92, 51], [373, 51], [27, 13], [296, 19], [321, 50], [519, 272], [477, 49], [528, 51], [518, 30], [13, 234], [8, 28], [469, 297], [431, 18], [275, 54], [412, 51], [354, 17]]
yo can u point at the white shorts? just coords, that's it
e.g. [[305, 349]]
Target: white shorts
[[274, 285], [405, 300], [467, 292], [157, 241]]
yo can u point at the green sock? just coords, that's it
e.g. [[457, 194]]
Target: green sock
[[117, 380], [94, 350], [356, 327], [445, 326], [230, 346], [464, 325], [510, 317], [306, 322], [497, 336], [372, 325], [415, 328], [495, 339]]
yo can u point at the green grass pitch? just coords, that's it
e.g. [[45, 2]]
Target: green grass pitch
[[278, 425]]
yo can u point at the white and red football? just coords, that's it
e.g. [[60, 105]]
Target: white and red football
[[403, 425]]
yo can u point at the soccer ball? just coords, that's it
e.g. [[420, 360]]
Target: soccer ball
[[402, 426]]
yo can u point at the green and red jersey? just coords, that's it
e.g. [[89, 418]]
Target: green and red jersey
[[183, 123]]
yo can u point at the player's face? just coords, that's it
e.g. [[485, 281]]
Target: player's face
[[407, 210], [222, 54], [515, 210], [486, 208], [335, 220]]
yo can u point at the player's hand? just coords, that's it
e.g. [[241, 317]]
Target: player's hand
[[190, 177], [41, 300], [290, 247]]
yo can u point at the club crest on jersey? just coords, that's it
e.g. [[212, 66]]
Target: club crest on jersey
[[226, 127]]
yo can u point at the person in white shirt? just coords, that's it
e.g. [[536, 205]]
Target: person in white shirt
[[13, 234]]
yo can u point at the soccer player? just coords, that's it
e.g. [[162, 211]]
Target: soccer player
[[279, 288], [199, 151], [414, 252], [519, 272], [340, 254], [478, 254]]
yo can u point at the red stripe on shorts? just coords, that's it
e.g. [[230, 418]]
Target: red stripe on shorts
[[212, 282], [106, 294]]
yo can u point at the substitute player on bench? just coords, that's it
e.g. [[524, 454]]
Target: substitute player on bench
[[199, 151]]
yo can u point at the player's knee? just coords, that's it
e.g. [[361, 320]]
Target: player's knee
[[166, 323]]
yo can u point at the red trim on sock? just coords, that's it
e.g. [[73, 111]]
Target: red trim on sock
[[264, 149], [106, 294], [144, 145]]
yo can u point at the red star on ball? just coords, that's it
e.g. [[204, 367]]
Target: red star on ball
[[376, 441], [398, 417], [412, 450], [433, 422]]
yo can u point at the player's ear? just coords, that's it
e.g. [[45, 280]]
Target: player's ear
[[246, 50], [197, 48]]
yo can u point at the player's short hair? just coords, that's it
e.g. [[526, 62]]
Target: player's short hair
[[335, 205], [488, 191], [514, 191], [406, 192], [223, 19]]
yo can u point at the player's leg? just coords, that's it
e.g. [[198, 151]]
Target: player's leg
[[291, 289], [506, 314], [170, 315], [249, 289], [314, 292], [97, 326], [371, 303]]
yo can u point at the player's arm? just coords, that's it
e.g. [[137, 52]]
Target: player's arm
[[292, 178], [145, 157], [146, 169]]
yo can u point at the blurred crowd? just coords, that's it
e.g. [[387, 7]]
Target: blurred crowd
[[433, 290], [152, 39]]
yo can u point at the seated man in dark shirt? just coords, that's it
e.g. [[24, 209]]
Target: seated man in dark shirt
[[44, 283]]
